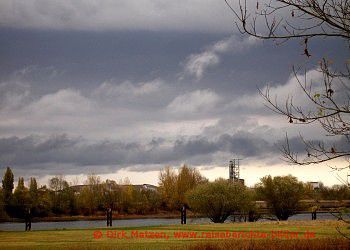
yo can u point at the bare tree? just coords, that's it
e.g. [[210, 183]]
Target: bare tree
[[281, 20], [285, 19]]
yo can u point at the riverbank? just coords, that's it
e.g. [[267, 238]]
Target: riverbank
[[257, 235]]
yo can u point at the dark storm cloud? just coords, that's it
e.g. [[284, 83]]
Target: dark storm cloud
[[84, 60], [62, 149], [241, 143], [64, 59], [24, 153]]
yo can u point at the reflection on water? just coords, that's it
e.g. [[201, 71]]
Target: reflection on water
[[11, 226]]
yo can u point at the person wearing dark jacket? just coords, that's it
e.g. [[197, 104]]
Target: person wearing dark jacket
[[109, 217], [28, 220]]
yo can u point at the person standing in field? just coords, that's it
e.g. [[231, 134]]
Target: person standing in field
[[109, 217], [28, 220]]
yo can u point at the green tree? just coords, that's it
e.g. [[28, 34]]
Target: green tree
[[336, 192], [33, 187], [219, 199], [68, 203], [111, 193], [3, 214], [21, 198], [128, 196], [91, 197], [282, 194], [33, 191], [7, 186], [143, 200], [152, 200], [60, 194], [45, 202]]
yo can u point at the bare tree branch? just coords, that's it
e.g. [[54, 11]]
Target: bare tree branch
[[328, 104]]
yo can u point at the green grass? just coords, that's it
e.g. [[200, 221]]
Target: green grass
[[325, 233]]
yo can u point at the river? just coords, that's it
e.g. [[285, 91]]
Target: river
[[16, 226]]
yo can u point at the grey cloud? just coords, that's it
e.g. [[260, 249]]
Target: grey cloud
[[197, 64], [194, 102], [13, 93], [241, 143], [202, 15], [73, 155], [68, 151], [61, 149]]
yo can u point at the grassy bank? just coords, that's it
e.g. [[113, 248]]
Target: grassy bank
[[264, 235]]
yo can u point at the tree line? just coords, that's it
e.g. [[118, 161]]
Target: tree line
[[186, 186], [61, 199]]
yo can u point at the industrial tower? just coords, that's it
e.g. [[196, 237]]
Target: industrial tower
[[234, 171]]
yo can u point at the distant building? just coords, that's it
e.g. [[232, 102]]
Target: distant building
[[241, 181], [149, 187], [314, 184]]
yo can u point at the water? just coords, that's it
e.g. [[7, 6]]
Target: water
[[320, 216], [15, 226]]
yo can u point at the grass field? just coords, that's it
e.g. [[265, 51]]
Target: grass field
[[260, 235]]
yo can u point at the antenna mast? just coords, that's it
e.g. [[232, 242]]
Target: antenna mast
[[234, 170]]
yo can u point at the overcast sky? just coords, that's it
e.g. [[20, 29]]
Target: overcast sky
[[124, 88]]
